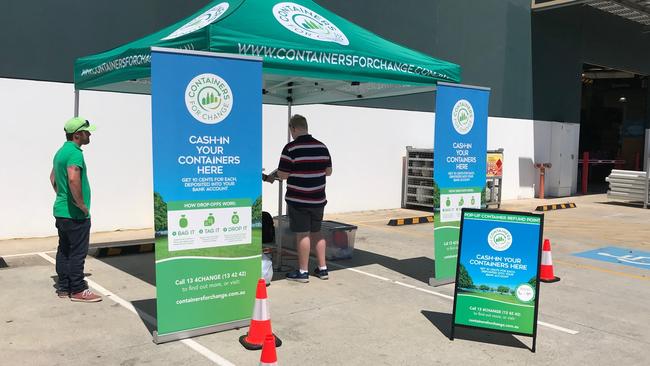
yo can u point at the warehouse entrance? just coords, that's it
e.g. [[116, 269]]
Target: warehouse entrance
[[612, 122]]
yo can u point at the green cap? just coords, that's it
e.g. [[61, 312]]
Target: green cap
[[78, 124]]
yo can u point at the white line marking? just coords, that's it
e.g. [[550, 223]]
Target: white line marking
[[25, 254], [552, 326], [149, 319], [557, 327], [207, 353]]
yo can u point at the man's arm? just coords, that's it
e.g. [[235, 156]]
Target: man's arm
[[53, 181], [74, 181]]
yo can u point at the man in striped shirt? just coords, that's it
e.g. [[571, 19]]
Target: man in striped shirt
[[305, 163]]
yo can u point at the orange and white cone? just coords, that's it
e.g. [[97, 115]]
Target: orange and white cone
[[546, 267], [269, 357], [260, 323]]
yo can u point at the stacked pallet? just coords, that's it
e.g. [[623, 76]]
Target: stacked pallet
[[628, 185]]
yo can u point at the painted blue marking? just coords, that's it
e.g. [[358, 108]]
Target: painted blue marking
[[624, 256]]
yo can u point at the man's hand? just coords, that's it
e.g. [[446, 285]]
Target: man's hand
[[74, 181], [283, 175]]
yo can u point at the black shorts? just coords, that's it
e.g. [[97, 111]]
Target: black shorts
[[305, 219]]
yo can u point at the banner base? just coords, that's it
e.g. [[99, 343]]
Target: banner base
[[435, 282], [170, 337]]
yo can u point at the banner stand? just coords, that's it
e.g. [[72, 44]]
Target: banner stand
[[435, 282], [199, 331], [459, 160], [206, 129]]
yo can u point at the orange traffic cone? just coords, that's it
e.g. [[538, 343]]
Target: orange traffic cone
[[269, 357], [260, 323], [546, 267]]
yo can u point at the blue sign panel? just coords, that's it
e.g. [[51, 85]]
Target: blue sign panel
[[624, 256], [460, 142]]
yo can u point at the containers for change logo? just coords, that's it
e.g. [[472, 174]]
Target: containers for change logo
[[208, 98], [499, 239], [462, 116], [525, 292], [307, 23], [207, 18]]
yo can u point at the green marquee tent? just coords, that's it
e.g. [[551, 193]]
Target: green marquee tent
[[310, 55]]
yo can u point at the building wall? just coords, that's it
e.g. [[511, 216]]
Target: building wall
[[367, 145]]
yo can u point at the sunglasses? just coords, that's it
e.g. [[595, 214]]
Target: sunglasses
[[86, 124]]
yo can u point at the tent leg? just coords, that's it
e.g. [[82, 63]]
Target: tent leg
[[76, 103], [288, 140]]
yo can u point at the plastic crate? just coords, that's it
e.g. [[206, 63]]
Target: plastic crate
[[338, 236]]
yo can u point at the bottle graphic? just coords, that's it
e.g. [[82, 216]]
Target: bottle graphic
[[448, 202], [473, 201], [209, 221], [461, 202], [183, 222], [235, 218]]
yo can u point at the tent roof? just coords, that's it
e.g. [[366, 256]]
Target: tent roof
[[310, 55]]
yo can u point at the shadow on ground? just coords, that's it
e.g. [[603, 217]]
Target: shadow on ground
[[442, 321]]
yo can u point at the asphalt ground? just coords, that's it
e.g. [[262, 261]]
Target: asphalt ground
[[376, 309]]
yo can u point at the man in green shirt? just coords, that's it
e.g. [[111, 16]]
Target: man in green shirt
[[72, 211]]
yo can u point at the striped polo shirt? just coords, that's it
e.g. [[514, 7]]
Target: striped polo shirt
[[305, 159]]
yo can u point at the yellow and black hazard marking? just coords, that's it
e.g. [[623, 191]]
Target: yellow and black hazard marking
[[411, 221], [130, 249], [556, 206]]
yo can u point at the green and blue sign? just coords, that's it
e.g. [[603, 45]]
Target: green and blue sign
[[207, 155], [497, 276], [628, 257], [460, 142]]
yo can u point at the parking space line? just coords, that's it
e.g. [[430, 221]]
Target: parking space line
[[24, 254], [552, 326], [200, 349], [599, 269]]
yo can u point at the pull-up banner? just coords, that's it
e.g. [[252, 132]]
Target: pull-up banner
[[460, 142], [207, 155], [497, 276]]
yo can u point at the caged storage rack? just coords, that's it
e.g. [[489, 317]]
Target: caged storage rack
[[419, 190]]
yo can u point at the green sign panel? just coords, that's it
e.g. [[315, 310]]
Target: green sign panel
[[497, 276]]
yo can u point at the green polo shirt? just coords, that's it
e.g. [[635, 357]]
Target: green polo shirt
[[69, 155]]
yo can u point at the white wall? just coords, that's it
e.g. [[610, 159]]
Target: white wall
[[366, 144]]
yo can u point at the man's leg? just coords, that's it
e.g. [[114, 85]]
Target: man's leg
[[319, 239], [63, 259], [299, 224], [79, 240], [304, 247]]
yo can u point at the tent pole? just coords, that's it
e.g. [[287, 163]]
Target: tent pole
[[76, 102], [288, 140]]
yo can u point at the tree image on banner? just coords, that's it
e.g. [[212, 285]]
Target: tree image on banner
[[160, 213]]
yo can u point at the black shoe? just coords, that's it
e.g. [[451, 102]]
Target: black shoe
[[297, 276], [321, 273]]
